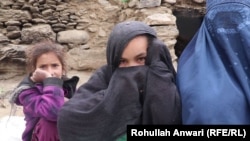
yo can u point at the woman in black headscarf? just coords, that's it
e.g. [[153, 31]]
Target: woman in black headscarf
[[119, 94]]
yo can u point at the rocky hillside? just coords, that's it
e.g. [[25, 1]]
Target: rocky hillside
[[81, 26]]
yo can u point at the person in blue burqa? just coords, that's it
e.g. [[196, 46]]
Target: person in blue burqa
[[213, 71]]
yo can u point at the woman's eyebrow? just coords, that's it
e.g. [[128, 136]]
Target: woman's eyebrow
[[141, 54]]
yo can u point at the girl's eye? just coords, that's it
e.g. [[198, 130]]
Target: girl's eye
[[141, 59], [55, 65], [122, 61], [42, 67]]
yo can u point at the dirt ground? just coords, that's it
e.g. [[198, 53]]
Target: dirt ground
[[9, 84]]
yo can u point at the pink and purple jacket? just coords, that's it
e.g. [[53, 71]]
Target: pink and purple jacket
[[41, 101]]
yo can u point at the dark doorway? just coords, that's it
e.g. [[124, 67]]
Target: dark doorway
[[188, 22]]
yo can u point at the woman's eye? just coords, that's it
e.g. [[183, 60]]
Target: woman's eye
[[141, 59], [122, 61]]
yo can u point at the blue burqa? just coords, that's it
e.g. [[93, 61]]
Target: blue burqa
[[214, 69]]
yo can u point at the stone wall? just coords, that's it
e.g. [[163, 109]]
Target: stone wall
[[81, 26]]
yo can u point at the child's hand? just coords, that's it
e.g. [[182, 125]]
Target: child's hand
[[66, 99], [39, 75]]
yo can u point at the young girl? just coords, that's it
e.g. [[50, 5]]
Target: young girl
[[44, 90], [137, 86]]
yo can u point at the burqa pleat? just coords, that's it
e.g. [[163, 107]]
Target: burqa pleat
[[214, 69]]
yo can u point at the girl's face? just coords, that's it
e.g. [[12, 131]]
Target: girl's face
[[135, 52], [49, 62]]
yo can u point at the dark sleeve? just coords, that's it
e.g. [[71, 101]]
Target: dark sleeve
[[158, 51], [70, 86], [162, 103], [161, 100]]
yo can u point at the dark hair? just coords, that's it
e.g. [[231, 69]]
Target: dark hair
[[45, 46]]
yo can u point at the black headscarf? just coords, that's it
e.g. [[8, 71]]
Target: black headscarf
[[121, 34], [115, 97]]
